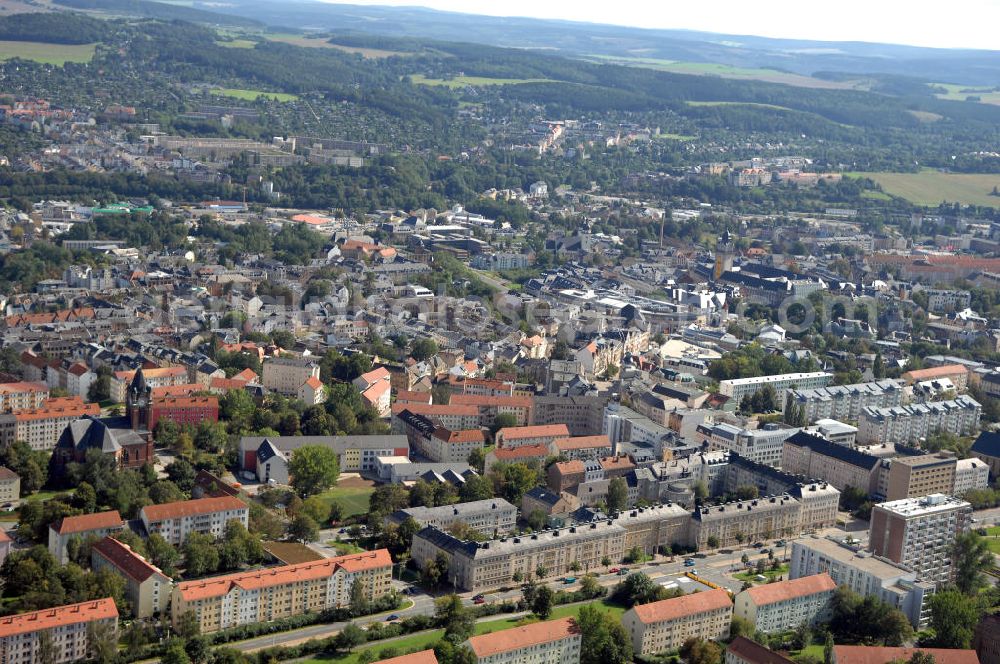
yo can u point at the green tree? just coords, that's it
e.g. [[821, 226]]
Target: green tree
[[317, 509], [423, 349], [162, 553], [971, 558], [617, 495], [713, 542], [700, 651], [313, 469], [604, 639], [457, 621], [303, 529], [477, 460], [476, 487], [953, 618], [542, 604], [201, 554], [360, 604], [351, 637]]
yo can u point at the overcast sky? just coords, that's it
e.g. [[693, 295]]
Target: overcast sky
[[953, 24]]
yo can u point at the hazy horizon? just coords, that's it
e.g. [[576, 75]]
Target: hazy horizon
[[970, 25]]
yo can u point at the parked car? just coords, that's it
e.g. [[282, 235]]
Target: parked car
[[478, 600], [392, 617], [689, 562], [613, 570], [569, 579], [758, 545], [623, 571]]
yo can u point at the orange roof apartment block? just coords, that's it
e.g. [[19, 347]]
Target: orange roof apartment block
[[22, 396], [82, 526], [549, 641], [19, 634], [665, 625], [277, 592], [543, 434], [775, 607], [958, 374], [41, 427], [175, 521]]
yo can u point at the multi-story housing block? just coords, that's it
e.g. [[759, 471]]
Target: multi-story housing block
[[745, 520], [810, 455], [10, 486], [57, 635], [762, 445], [154, 377], [665, 625], [919, 534], [865, 574], [491, 517], [22, 396], [356, 453], [919, 421], [845, 402], [521, 407], [286, 374], [81, 527], [176, 521], [147, 588], [582, 448], [584, 416], [549, 642], [737, 388], [970, 474], [273, 593], [784, 605], [531, 435], [41, 427]]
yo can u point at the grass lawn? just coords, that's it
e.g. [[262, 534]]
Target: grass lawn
[[253, 95], [993, 538], [932, 187], [344, 548], [47, 495], [815, 651], [954, 92], [770, 574], [463, 81], [352, 499], [727, 71], [425, 640], [49, 54]]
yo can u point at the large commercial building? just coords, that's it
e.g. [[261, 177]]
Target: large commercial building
[[356, 453], [665, 625], [550, 642], [272, 593], [922, 475], [784, 605], [176, 521], [41, 427], [762, 445], [491, 517], [147, 588], [737, 388], [66, 631], [919, 421], [865, 574], [845, 402], [919, 533]]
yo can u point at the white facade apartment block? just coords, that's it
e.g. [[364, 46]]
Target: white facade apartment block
[[737, 388], [176, 521], [970, 474], [494, 515], [286, 374], [845, 402], [784, 605], [760, 445], [918, 421]]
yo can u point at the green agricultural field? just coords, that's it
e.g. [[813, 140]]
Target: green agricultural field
[[49, 54], [963, 92], [727, 71], [253, 95], [463, 81], [931, 187], [323, 42], [237, 43]]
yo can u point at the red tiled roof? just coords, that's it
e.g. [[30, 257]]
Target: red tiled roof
[[522, 452], [781, 591], [314, 383], [87, 522], [754, 653], [582, 442], [7, 474], [538, 431], [71, 614], [491, 401], [58, 407], [177, 390], [569, 467], [22, 387], [422, 657], [121, 556], [460, 436], [679, 607], [506, 640], [276, 576], [430, 410], [935, 372], [184, 508], [883, 654]]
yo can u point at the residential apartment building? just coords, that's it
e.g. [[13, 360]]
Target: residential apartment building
[[273, 593], [376, 389], [922, 475], [845, 402], [582, 448], [919, 533], [665, 625], [175, 521], [737, 388], [865, 574], [784, 605], [449, 416], [530, 454], [154, 377], [491, 517], [494, 563], [742, 521], [356, 453], [582, 415], [986, 448], [421, 657], [762, 445], [41, 427], [521, 407], [623, 424], [147, 588], [22, 396], [531, 435], [970, 474], [67, 629], [919, 421], [10, 486], [82, 527], [549, 642], [958, 374], [941, 301], [286, 374], [742, 650], [887, 654], [810, 455]]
